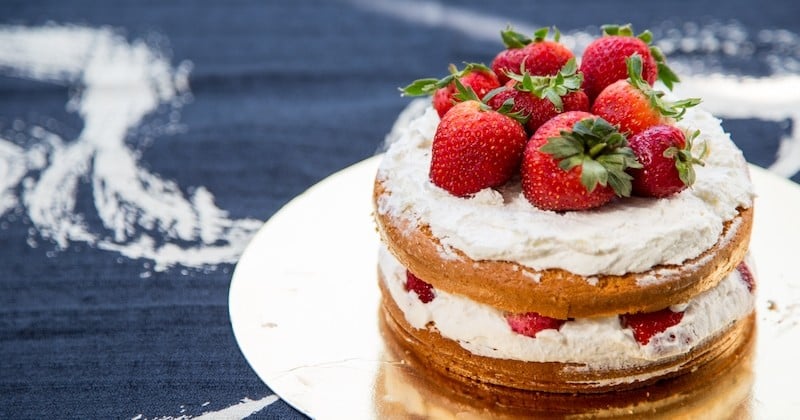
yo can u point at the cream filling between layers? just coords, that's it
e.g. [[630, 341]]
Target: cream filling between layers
[[627, 236], [598, 343]]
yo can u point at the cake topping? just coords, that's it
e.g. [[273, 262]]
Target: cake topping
[[474, 148], [477, 77], [633, 105], [576, 161], [603, 61], [424, 290], [538, 56], [667, 161], [542, 97], [646, 325], [571, 165]]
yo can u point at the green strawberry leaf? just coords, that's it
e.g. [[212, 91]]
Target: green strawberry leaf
[[540, 34], [566, 81], [600, 149], [423, 87], [619, 30], [562, 147], [593, 173], [464, 93], [685, 160], [512, 39], [672, 109], [621, 182], [665, 73], [646, 37], [420, 87], [492, 93]]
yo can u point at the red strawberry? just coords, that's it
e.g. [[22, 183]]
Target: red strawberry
[[475, 147], [424, 290], [530, 323], [538, 56], [667, 161], [747, 275], [646, 325], [542, 97], [576, 161], [475, 76], [633, 105], [603, 61]]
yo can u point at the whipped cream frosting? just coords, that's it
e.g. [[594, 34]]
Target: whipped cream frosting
[[629, 235], [593, 342]]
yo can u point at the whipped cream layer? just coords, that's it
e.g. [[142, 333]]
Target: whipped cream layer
[[630, 235], [597, 343]]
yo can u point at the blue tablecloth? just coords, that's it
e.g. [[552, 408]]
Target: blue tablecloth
[[142, 144]]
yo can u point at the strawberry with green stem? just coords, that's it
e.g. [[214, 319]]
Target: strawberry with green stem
[[603, 61], [576, 161], [476, 147], [667, 161], [542, 97], [539, 56], [478, 77], [633, 105]]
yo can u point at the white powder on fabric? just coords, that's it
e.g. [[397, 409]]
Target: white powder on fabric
[[147, 216]]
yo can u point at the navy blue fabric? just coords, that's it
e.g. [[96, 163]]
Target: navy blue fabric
[[284, 94]]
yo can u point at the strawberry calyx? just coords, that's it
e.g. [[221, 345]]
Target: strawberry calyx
[[566, 81], [601, 151], [671, 109], [685, 160], [512, 39], [665, 73], [466, 93], [427, 86]]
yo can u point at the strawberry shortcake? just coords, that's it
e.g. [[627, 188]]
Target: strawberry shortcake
[[602, 247]]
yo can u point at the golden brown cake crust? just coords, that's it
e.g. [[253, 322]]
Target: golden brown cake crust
[[448, 358], [719, 389], [557, 293]]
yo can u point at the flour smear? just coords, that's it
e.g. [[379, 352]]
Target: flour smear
[[143, 215], [148, 217]]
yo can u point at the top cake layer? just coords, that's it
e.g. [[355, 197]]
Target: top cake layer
[[630, 235]]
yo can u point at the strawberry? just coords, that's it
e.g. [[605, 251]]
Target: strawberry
[[530, 323], [747, 275], [475, 147], [542, 97], [603, 61], [646, 325], [424, 290], [538, 56], [576, 161], [633, 105], [477, 77], [667, 161]]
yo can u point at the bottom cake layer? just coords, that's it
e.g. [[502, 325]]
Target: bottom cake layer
[[408, 388], [449, 359]]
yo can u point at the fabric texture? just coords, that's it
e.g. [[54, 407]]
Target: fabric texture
[[122, 216]]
